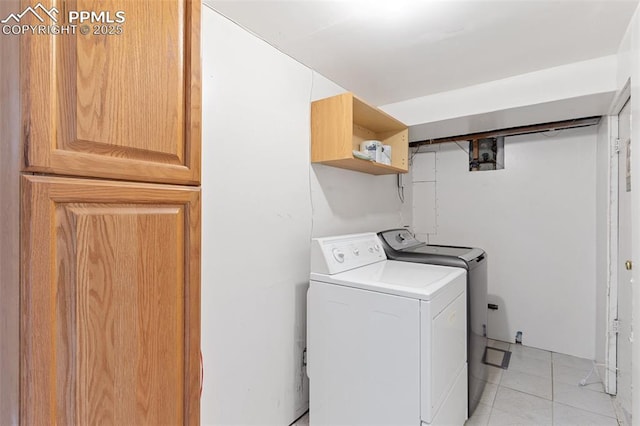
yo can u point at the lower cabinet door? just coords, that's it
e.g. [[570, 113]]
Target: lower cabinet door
[[110, 303]]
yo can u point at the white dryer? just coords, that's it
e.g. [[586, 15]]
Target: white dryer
[[386, 340]]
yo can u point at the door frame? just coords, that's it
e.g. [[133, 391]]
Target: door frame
[[611, 353]]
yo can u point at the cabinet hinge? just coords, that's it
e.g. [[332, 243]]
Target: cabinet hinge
[[304, 357], [615, 327], [616, 147]]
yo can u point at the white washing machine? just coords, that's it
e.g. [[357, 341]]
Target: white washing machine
[[386, 340]]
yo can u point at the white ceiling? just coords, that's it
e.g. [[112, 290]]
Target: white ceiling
[[390, 51]]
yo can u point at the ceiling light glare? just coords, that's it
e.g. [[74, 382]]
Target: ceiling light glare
[[385, 9]]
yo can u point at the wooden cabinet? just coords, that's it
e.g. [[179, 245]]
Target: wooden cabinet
[[100, 243], [123, 106], [340, 123], [110, 302]]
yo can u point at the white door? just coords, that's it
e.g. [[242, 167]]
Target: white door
[[624, 259]]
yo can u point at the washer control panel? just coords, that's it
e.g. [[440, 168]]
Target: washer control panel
[[399, 239], [331, 255]]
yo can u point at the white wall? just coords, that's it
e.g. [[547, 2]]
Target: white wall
[[348, 202], [256, 225], [536, 221], [423, 202], [579, 89], [262, 202], [552, 84]]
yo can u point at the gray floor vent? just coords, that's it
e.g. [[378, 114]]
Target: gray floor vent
[[497, 357]]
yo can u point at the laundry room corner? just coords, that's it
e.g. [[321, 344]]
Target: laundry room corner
[[262, 204], [522, 217], [320, 213], [345, 201]]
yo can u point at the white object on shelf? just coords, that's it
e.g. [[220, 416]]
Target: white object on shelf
[[361, 155], [386, 154], [373, 148]]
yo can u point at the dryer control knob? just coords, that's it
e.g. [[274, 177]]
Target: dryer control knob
[[377, 247], [356, 252], [338, 255]]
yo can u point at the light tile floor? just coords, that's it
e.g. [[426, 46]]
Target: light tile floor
[[539, 388]]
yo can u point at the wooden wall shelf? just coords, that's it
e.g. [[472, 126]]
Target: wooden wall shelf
[[340, 123]]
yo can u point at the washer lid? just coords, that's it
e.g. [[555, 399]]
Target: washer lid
[[415, 280], [466, 253], [402, 241]]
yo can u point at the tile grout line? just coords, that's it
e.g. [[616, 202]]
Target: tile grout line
[[500, 387], [495, 397], [597, 413]]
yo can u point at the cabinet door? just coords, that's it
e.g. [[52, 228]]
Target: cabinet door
[[122, 101], [110, 303]]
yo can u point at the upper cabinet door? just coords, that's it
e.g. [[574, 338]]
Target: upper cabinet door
[[116, 96]]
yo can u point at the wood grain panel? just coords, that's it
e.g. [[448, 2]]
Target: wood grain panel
[[374, 118], [10, 157], [365, 166], [124, 106], [111, 306], [399, 141], [331, 128], [135, 122]]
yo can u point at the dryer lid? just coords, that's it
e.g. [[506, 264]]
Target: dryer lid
[[415, 280]]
